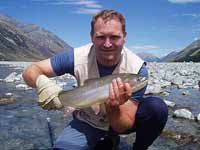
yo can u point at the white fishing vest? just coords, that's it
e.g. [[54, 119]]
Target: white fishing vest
[[85, 67]]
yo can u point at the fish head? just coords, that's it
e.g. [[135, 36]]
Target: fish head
[[136, 81]]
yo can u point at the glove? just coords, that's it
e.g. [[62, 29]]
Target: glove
[[48, 92]]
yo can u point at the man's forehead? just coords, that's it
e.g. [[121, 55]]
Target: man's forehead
[[107, 20], [101, 24], [99, 33]]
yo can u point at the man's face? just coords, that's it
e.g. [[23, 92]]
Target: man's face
[[108, 39]]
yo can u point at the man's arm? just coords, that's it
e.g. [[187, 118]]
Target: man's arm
[[31, 73], [122, 118], [59, 64], [121, 110], [36, 75]]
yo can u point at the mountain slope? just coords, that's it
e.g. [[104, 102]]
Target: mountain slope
[[190, 53], [168, 56], [25, 42]]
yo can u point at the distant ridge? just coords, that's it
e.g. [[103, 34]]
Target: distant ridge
[[148, 57], [27, 42]]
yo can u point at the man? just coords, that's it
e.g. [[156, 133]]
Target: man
[[123, 112]]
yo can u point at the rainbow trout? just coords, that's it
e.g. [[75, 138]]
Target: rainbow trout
[[96, 91]]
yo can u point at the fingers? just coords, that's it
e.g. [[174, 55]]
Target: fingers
[[112, 100], [117, 87], [52, 103], [128, 89], [120, 87], [119, 92]]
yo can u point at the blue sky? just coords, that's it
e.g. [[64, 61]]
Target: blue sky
[[155, 26]]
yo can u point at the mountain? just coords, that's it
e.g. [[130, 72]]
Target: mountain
[[168, 56], [190, 53], [148, 57], [27, 42]]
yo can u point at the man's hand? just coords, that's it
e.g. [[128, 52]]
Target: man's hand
[[48, 93], [120, 109], [119, 93]]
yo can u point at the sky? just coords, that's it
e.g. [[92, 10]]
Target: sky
[[155, 26]]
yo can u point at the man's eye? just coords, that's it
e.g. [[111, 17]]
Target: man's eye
[[115, 37], [100, 37]]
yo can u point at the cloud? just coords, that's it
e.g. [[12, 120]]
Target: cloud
[[40, 0], [152, 49], [196, 38], [191, 15], [3, 7], [85, 6], [86, 11], [184, 1], [196, 30], [79, 6], [84, 3], [144, 47]]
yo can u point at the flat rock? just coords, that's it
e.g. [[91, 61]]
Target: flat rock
[[183, 113], [169, 103]]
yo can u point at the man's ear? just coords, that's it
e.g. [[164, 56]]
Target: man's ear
[[125, 33]]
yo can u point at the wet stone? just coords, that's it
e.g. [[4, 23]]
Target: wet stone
[[7, 100]]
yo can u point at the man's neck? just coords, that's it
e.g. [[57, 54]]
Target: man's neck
[[105, 70], [107, 66], [108, 63]]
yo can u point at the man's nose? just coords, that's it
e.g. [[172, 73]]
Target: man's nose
[[107, 42]]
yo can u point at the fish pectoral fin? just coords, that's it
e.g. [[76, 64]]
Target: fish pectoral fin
[[96, 108]]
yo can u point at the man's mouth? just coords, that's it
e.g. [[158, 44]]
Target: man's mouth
[[107, 50]]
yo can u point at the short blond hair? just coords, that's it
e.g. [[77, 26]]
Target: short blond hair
[[108, 15]]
